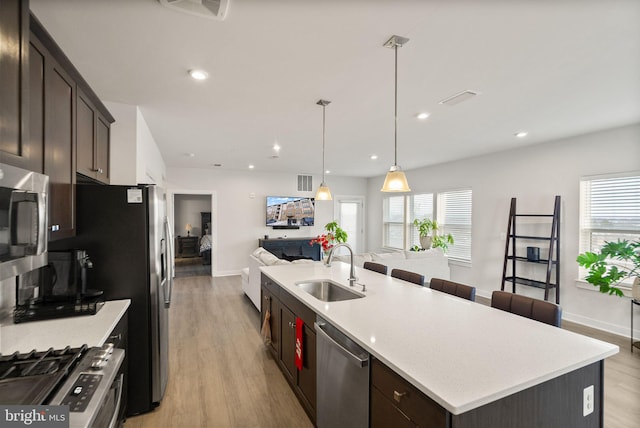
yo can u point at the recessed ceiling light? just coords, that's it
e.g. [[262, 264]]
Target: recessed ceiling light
[[198, 74], [189, 155], [276, 147], [251, 166], [373, 157], [423, 115], [327, 172], [521, 134]]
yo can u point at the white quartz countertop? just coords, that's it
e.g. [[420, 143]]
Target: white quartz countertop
[[461, 354], [92, 330]]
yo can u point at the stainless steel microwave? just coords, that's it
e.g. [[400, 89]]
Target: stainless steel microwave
[[23, 221]]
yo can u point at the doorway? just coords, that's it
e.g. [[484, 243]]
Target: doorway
[[193, 231], [350, 215]]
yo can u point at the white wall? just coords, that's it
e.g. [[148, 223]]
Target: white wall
[[534, 175], [134, 155], [151, 168], [187, 211], [239, 208], [123, 150]]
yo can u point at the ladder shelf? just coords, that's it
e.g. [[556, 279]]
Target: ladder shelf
[[552, 261]]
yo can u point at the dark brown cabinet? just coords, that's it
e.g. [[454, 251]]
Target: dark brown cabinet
[[119, 338], [285, 311], [395, 402], [271, 305], [15, 145], [93, 140], [52, 113]]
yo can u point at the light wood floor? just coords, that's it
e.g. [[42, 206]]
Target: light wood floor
[[222, 376], [220, 373]]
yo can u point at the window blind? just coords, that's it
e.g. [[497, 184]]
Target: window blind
[[420, 207], [393, 222], [609, 210], [454, 217]]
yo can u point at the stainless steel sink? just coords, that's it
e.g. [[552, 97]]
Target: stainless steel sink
[[328, 291]]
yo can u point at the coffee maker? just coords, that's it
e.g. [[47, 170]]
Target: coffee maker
[[65, 277], [58, 289]]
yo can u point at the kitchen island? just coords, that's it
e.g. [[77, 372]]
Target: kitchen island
[[483, 366]]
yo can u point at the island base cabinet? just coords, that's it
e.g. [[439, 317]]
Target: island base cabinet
[[395, 402], [284, 312], [270, 304], [555, 403]]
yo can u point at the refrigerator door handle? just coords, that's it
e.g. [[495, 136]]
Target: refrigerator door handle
[[167, 299]]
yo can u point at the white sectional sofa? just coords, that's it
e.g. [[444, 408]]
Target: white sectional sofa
[[430, 263], [251, 275]]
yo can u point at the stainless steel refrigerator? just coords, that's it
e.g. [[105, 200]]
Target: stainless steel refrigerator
[[126, 233]]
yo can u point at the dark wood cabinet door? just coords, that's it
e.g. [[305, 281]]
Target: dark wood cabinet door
[[270, 303], [307, 376], [102, 148], [92, 140], [37, 55], [59, 153], [15, 147], [288, 343], [86, 133]]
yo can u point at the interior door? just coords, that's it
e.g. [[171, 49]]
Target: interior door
[[350, 218]]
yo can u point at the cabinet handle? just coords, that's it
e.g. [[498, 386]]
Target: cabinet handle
[[55, 227], [398, 395], [99, 170], [267, 298], [292, 324]]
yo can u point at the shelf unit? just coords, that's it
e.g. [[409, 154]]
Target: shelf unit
[[552, 262]]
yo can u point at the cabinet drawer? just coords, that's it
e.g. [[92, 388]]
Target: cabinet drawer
[[423, 411], [270, 285], [385, 414]]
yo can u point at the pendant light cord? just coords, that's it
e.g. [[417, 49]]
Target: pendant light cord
[[395, 112], [323, 128]]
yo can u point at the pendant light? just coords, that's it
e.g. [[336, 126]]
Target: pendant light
[[323, 193], [395, 181]]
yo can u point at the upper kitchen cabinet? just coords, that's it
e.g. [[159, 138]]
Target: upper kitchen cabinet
[[52, 112], [93, 128], [16, 148]]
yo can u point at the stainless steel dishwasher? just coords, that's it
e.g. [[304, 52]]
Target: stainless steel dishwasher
[[342, 379]]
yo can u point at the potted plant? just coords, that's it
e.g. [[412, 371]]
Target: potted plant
[[427, 229], [334, 234], [615, 262]]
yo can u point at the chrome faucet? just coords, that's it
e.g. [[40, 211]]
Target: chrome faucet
[[352, 272]]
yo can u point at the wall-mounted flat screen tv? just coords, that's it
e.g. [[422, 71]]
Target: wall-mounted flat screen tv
[[291, 211]]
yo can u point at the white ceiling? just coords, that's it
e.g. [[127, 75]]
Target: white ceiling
[[553, 68]]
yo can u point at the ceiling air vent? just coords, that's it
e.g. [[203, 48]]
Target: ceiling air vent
[[458, 98], [213, 9], [304, 183]]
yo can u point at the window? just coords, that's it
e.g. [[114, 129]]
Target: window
[[452, 210], [454, 217], [393, 222], [420, 206], [609, 210]]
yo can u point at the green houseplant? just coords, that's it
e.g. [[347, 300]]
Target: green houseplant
[[334, 234], [615, 262], [429, 237]]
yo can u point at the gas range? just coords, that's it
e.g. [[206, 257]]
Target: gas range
[[87, 380]]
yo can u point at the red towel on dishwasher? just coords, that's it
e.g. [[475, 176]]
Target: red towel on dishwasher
[[299, 330]]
